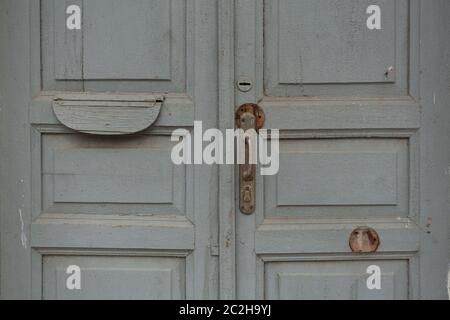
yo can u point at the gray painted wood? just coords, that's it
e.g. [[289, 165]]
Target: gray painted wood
[[376, 186], [107, 114], [112, 232], [152, 278], [113, 52], [321, 47], [227, 209], [178, 111], [15, 213], [346, 280], [68, 43], [206, 177], [116, 205], [373, 170], [133, 51], [315, 47], [280, 251], [399, 113], [354, 148], [127, 161], [328, 236], [112, 176], [434, 153]]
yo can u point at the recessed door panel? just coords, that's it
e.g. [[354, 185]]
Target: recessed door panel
[[326, 48], [335, 280], [115, 278]]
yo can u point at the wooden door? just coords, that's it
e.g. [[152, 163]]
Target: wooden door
[[361, 115], [114, 205]]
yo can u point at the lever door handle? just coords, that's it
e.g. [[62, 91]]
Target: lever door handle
[[248, 116], [248, 167]]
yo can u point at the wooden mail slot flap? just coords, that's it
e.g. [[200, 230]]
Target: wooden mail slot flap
[[107, 113]]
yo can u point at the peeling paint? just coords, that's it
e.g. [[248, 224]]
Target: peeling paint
[[428, 226], [23, 237], [448, 283], [388, 71]]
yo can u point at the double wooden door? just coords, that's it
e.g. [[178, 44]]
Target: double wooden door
[[363, 119]]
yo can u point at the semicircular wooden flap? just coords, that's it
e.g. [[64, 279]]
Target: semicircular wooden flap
[[107, 113]]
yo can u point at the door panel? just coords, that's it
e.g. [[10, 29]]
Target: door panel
[[339, 178], [348, 149], [142, 46], [96, 175], [342, 280], [116, 278], [317, 47]]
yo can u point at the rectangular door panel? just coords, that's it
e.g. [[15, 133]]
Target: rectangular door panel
[[340, 178], [137, 46], [115, 277], [325, 48], [335, 280], [101, 175]]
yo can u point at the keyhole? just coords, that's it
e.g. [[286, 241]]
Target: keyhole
[[244, 84], [247, 196]]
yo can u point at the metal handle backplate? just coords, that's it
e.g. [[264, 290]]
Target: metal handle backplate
[[248, 116]]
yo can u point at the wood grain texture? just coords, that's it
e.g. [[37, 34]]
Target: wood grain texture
[[107, 114], [113, 232]]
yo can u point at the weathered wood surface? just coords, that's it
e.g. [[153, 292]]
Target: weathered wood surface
[[324, 85], [107, 114], [125, 235], [296, 244]]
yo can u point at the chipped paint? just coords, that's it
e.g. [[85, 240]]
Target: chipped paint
[[428, 226], [388, 71], [23, 237], [448, 283]]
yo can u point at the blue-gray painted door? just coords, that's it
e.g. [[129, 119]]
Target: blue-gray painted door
[[136, 225], [358, 148], [363, 115]]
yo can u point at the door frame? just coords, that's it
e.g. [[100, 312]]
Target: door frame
[[227, 208]]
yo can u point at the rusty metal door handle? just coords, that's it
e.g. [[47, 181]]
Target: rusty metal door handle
[[248, 116], [248, 167]]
